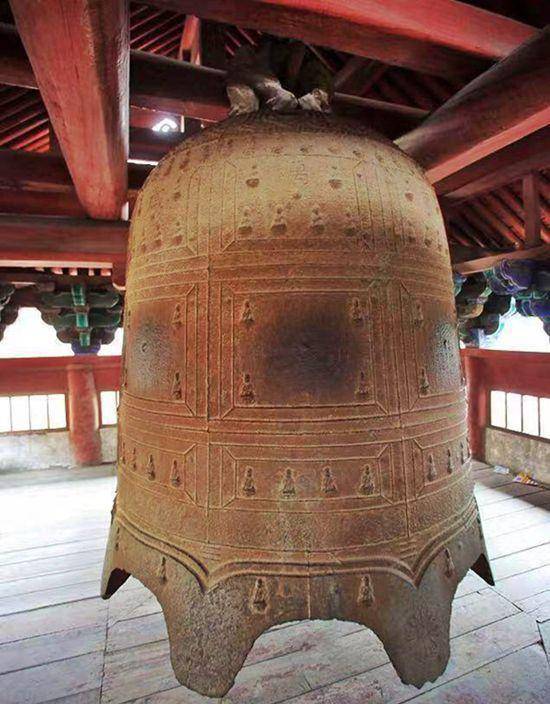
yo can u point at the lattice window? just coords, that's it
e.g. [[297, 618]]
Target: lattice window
[[521, 413], [108, 404], [34, 412]]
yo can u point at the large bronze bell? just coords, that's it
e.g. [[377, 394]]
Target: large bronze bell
[[292, 438]]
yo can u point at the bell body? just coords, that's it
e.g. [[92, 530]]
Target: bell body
[[292, 436]]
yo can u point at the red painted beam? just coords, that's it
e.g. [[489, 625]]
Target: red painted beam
[[157, 82], [532, 153], [48, 375], [32, 202], [79, 52], [515, 372], [15, 69], [167, 85], [56, 241], [170, 85], [440, 37], [20, 169], [505, 104], [40, 184]]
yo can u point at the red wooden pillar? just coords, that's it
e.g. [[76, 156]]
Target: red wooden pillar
[[478, 405], [83, 415]]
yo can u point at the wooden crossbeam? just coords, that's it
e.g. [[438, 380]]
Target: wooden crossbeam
[[505, 104], [157, 82], [41, 183], [55, 241], [15, 69], [532, 153], [440, 37], [166, 84], [40, 202], [79, 52], [474, 266], [49, 172], [163, 84], [20, 169]]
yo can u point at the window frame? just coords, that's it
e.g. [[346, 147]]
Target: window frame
[[29, 431], [117, 398], [505, 427]]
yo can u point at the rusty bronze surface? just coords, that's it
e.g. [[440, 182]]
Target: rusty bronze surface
[[292, 437]]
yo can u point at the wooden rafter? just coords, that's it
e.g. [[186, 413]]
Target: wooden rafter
[[79, 53], [422, 35], [473, 235], [507, 230], [480, 225], [358, 75]]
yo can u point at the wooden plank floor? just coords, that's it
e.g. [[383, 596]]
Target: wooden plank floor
[[60, 643]]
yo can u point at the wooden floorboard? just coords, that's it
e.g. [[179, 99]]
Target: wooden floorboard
[[60, 643], [519, 562], [509, 505], [51, 565], [52, 647], [28, 585], [52, 681], [518, 541], [535, 602], [530, 516]]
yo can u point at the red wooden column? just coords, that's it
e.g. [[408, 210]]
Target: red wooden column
[[478, 405], [83, 415]]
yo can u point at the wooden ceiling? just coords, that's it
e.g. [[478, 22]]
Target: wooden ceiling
[[463, 87]]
